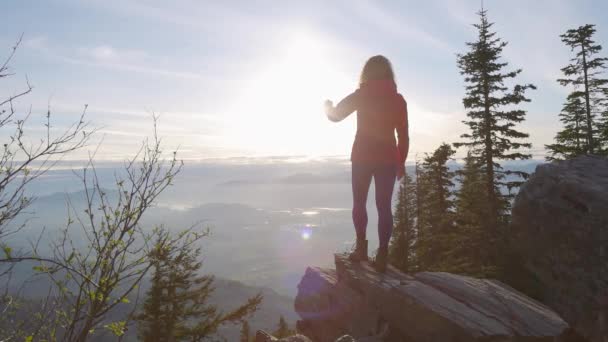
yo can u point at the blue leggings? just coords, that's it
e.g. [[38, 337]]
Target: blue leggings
[[384, 179]]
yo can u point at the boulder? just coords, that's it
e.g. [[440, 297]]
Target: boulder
[[429, 306], [560, 228]]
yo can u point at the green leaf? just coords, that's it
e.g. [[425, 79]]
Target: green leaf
[[117, 328], [39, 268], [71, 257], [7, 251]]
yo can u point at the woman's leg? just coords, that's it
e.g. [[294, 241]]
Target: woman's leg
[[361, 179], [384, 180]]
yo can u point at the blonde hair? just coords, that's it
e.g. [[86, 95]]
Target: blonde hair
[[377, 68]]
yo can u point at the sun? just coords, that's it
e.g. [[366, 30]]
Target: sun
[[279, 110]]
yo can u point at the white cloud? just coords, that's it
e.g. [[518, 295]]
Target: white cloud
[[398, 25], [107, 56], [37, 42], [235, 41]]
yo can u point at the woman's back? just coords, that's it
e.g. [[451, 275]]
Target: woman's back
[[381, 112]]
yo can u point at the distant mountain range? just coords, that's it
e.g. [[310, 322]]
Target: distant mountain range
[[228, 295], [257, 215]]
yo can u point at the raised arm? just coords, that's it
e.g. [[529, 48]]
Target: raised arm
[[343, 109], [403, 138]]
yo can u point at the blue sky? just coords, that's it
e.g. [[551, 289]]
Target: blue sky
[[248, 78]]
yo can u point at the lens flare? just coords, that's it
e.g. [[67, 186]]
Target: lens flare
[[306, 232]]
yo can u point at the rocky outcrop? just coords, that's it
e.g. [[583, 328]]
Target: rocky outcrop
[[262, 336], [429, 306], [560, 227]]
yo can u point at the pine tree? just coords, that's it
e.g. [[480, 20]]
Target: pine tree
[[469, 209], [422, 218], [491, 109], [584, 75], [469, 253], [424, 247], [401, 253], [245, 332], [177, 305], [420, 194], [154, 308], [436, 209], [604, 123], [573, 139], [283, 329]]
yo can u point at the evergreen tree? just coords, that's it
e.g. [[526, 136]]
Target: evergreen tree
[[283, 329], [177, 305], [154, 308], [584, 75], [573, 139], [401, 253], [469, 209], [436, 209], [469, 253], [604, 123], [245, 332], [492, 112], [420, 194], [424, 248]]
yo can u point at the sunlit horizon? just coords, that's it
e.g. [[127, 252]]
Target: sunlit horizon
[[252, 84]]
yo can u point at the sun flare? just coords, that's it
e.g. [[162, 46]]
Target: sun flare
[[306, 231], [280, 108]]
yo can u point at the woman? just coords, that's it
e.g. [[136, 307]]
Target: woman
[[376, 154]]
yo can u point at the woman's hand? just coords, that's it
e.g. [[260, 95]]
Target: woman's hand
[[400, 171], [329, 105]]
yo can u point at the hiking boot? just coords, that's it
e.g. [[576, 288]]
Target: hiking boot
[[381, 260], [360, 252]]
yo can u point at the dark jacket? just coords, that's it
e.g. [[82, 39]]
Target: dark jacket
[[381, 111]]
